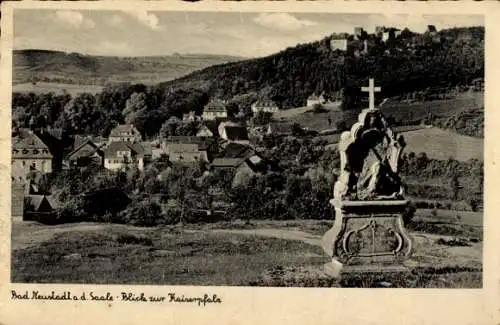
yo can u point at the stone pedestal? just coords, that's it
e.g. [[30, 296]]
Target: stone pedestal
[[367, 236]]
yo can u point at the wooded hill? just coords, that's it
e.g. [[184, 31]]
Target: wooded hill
[[411, 62]]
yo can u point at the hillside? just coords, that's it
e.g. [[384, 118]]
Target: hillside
[[410, 63], [441, 144], [75, 68]]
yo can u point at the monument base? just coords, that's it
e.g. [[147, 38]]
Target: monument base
[[367, 237], [335, 269]]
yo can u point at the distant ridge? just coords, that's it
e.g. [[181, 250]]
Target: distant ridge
[[75, 68]]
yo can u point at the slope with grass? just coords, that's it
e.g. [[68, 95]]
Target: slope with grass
[[442, 144]]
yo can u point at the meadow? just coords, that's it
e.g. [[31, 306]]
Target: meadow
[[443, 144], [400, 110], [264, 253], [57, 88]]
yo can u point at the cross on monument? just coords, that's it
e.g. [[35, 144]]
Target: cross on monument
[[371, 89]]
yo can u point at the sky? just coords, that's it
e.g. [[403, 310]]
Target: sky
[[141, 33]]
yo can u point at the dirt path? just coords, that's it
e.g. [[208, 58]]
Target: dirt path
[[275, 233]]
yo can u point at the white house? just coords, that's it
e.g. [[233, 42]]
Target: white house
[[119, 154], [214, 110], [315, 99], [264, 106], [126, 133]]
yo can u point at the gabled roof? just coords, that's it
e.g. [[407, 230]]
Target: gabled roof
[[265, 103], [37, 200], [28, 145], [83, 144], [114, 147], [236, 150], [202, 142], [182, 147], [215, 106], [118, 130], [56, 133], [235, 133]]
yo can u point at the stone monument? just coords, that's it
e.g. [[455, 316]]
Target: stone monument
[[368, 234]]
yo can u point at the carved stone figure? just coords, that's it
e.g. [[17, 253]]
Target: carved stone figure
[[369, 155]]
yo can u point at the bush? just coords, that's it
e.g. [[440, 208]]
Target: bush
[[409, 213], [142, 213]]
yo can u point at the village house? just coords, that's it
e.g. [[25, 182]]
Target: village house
[[234, 132], [264, 106], [188, 149], [120, 154], [244, 167], [29, 154], [84, 154], [185, 153], [204, 131], [315, 99], [215, 109], [125, 133]]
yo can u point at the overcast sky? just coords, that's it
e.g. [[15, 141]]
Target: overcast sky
[[141, 33]]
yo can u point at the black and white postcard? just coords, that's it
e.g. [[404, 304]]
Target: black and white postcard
[[197, 163]]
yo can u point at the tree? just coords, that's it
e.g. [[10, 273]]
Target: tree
[[262, 118], [455, 186], [170, 127], [136, 103]]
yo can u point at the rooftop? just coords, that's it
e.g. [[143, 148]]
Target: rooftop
[[114, 147], [235, 133]]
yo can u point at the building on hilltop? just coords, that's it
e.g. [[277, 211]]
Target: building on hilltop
[[120, 154], [431, 29], [125, 133], [338, 44], [29, 154], [359, 33], [216, 109], [264, 106]]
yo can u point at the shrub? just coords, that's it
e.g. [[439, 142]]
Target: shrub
[[142, 213], [409, 213]]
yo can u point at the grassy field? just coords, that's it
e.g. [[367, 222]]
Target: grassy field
[[57, 88], [442, 144], [400, 110], [264, 253]]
